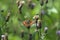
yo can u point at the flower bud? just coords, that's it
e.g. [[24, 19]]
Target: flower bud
[[31, 5], [58, 32], [45, 29], [46, 1], [2, 10], [30, 37], [41, 2], [39, 24], [3, 37], [22, 33], [6, 36], [20, 2], [20, 5], [43, 12], [36, 17]]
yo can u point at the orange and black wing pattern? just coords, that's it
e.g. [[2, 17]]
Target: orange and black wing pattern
[[29, 23]]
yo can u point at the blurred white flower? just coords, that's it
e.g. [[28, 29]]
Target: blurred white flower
[[36, 30], [43, 36], [36, 17], [54, 10], [2, 35], [45, 29]]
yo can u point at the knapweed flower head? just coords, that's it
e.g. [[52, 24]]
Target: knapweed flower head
[[32, 5], [58, 32], [42, 12]]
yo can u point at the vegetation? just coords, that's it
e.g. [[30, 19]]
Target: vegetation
[[30, 20]]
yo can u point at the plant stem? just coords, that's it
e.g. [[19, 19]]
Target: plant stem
[[28, 33], [0, 33]]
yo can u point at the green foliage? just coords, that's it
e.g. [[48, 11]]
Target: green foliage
[[51, 19]]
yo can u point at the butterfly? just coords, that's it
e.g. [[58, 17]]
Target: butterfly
[[27, 23]]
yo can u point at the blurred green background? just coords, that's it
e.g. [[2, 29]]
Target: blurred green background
[[51, 19]]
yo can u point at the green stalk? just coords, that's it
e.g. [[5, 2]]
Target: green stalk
[[28, 33], [58, 28], [0, 33], [59, 19], [37, 31]]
